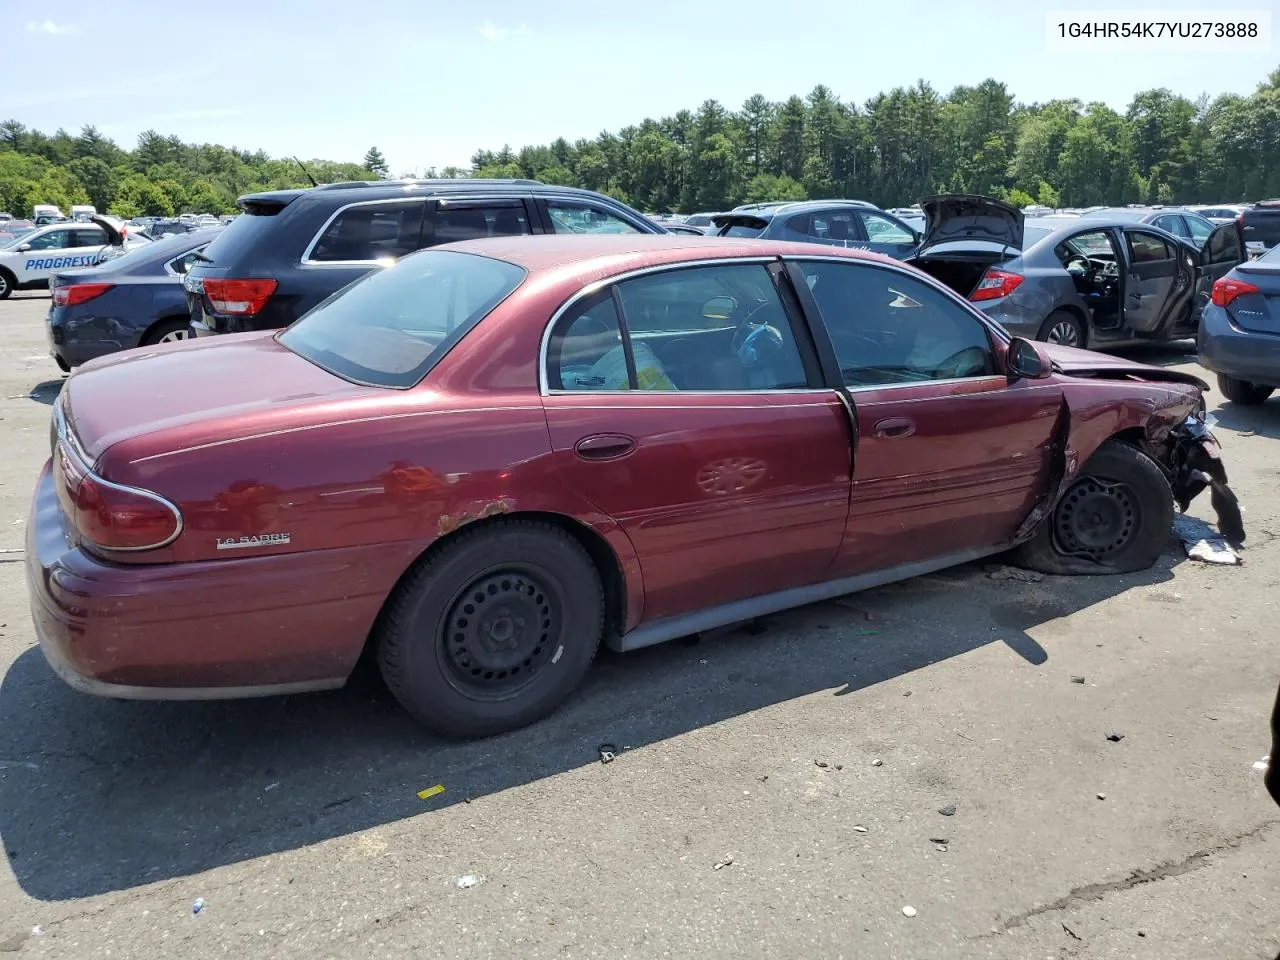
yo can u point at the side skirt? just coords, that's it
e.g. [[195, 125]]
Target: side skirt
[[671, 628]]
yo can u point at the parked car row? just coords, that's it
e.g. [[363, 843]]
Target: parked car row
[[28, 261]]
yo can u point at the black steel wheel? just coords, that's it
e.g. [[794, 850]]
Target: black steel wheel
[[1115, 518], [492, 629]]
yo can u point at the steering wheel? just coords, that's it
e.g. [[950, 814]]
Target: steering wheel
[[962, 363], [746, 327], [1085, 263]]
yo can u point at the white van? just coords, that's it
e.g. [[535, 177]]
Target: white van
[[44, 210], [83, 211]]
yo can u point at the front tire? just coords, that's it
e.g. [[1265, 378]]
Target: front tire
[[8, 282], [493, 631], [1115, 518], [1063, 328], [1243, 392]]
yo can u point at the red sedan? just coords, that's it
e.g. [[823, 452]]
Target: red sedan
[[492, 456]]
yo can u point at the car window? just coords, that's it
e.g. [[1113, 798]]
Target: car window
[[452, 224], [1224, 246], [370, 231], [181, 265], [53, 240], [829, 226], [569, 216], [1173, 223], [390, 327], [88, 237], [1147, 247], [718, 328], [888, 327], [883, 230], [1200, 229]]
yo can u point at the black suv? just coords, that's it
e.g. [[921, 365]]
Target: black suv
[[1260, 226], [293, 248]]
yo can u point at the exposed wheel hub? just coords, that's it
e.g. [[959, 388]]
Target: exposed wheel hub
[[502, 628], [1097, 518]]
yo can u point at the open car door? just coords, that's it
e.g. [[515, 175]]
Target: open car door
[[1223, 250]]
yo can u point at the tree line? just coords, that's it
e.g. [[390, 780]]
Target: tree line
[[897, 147]]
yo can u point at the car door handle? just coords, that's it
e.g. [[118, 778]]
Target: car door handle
[[604, 446], [893, 427]]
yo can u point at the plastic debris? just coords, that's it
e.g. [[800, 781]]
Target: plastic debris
[[859, 829], [908, 911], [942, 848], [430, 792], [1077, 679], [839, 766], [467, 881], [877, 763], [948, 811], [1002, 572], [1115, 737], [1102, 796], [1263, 765], [820, 763], [1202, 542], [271, 786], [942, 840], [37, 931], [198, 905], [722, 862], [608, 752]]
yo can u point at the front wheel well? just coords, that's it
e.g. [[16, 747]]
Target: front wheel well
[[1133, 436], [602, 556]]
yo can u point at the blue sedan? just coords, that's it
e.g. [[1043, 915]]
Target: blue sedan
[[135, 300], [1239, 336]]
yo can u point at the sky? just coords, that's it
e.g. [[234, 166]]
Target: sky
[[430, 83]]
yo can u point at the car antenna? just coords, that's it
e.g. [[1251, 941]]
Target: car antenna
[[307, 172]]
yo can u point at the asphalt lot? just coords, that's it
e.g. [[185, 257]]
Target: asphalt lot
[[298, 821]]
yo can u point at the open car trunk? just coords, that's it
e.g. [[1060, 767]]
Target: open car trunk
[[960, 269]]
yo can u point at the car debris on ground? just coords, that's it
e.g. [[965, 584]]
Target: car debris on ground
[[1202, 542]]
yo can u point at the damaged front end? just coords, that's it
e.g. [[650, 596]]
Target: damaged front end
[[1192, 461]]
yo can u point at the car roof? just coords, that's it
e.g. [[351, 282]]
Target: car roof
[[611, 254], [356, 190], [800, 206]]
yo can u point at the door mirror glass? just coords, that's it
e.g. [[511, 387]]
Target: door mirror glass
[[719, 308], [1027, 360]]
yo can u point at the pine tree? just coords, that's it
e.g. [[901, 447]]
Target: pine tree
[[376, 163]]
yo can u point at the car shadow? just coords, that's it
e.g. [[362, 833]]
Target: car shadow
[[101, 795], [1262, 420], [47, 391]]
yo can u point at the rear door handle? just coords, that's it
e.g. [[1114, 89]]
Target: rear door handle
[[892, 427], [604, 446]]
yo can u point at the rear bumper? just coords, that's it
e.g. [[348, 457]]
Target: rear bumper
[[251, 626], [1241, 354]]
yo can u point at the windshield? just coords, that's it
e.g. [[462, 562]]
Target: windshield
[[390, 327]]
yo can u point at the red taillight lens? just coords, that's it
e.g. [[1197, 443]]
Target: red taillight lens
[[242, 298], [110, 516], [1227, 289], [78, 293], [995, 284]]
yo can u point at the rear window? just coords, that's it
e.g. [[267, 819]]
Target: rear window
[[242, 234], [389, 328]]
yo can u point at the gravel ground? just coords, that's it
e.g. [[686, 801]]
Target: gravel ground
[[815, 750]]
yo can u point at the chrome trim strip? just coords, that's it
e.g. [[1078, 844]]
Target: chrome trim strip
[[670, 628], [306, 254], [591, 289], [82, 460], [119, 691]]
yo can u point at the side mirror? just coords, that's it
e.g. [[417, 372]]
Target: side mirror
[[23, 248], [719, 308], [1027, 360]]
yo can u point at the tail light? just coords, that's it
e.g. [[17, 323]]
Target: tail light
[[78, 293], [241, 298], [111, 516], [995, 284], [1226, 289]]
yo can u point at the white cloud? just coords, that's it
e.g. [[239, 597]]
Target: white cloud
[[494, 34], [48, 26]]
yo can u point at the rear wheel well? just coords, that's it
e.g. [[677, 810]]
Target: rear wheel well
[[148, 335], [598, 549]]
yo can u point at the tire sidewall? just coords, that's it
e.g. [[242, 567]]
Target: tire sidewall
[[156, 333], [7, 284], [421, 682]]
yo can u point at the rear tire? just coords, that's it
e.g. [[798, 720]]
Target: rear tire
[[1115, 518], [7, 283], [1064, 328], [168, 331], [494, 630], [1243, 392]]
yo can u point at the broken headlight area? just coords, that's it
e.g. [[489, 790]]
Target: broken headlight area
[[1193, 462]]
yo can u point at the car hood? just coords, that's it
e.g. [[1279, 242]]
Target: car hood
[[175, 396], [1087, 363], [960, 216]]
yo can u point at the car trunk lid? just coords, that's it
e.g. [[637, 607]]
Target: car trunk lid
[[962, 216], [191, 390], [1254, 297]]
